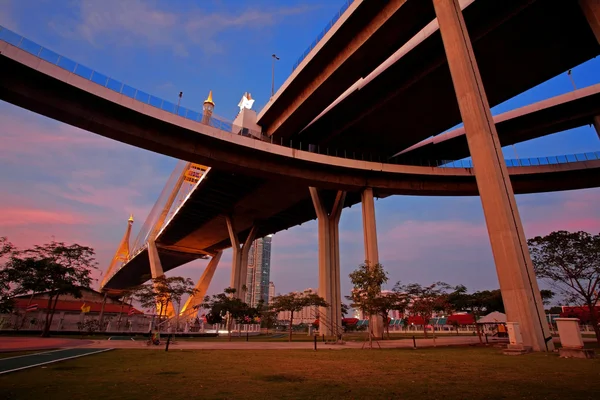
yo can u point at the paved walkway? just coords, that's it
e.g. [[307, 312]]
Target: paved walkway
[[24, 343], [12, 364]]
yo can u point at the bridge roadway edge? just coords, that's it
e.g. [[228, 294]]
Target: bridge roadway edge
[[44, 88]]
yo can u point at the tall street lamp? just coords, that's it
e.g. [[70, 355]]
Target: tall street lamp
[[273, 75], [178, 102]]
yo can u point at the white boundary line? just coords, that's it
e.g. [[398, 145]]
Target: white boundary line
[[50, 362], [34, 354]]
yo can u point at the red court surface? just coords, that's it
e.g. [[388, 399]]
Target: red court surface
[[35, 343]]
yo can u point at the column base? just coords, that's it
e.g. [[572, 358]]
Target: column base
[[517, 350], [567, 352]]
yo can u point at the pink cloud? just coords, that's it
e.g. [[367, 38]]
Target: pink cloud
[[11, 217]]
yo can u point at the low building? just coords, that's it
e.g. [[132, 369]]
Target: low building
[[70, 311]]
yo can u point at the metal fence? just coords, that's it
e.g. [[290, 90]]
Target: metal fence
[[328, 27], [228, 126]]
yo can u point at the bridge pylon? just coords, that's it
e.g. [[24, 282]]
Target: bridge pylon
[[121, 255]]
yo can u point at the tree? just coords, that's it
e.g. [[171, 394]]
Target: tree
[[55, 268], [345, 309], [6, 294], [367, 280], [387, 302], [295, 302], [547, 295], [225, 306], [570, 262], [268, 319], [164, 291], [425, 300]]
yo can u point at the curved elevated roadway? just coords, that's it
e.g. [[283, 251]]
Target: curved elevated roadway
[[567, 111], [518, 45], [253, 181]]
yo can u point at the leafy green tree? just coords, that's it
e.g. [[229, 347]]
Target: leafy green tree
[[295, 302], [390, 301], [570, 262], [345, 309], [547, 295], [225, 307], [367, 280], [6, 294], [164, 291], [55, 268], [268, 319], [425, 300]]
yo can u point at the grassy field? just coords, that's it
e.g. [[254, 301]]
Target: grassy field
[[443, 373]]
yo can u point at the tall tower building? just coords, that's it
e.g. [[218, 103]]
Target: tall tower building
[[271, 292], [259, 271]]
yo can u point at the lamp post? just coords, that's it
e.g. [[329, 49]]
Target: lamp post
[[178, 102], [572, 80], [273, 74]]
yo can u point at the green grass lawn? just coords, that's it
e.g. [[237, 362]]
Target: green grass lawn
[[442, 373]]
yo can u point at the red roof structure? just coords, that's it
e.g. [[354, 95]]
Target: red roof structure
[[461, 319], [583, 313], [69, 306]]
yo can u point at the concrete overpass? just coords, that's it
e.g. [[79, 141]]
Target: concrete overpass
[[518, 45], [38, 85], [567, 111], [363, 37]]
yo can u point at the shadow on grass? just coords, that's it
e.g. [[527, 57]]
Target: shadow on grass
[[282, 378]]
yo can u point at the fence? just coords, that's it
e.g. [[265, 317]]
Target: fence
[[321, 35]]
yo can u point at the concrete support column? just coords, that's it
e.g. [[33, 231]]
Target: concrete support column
[[156, 271], [191, 305], [596, 123], [371, 248], [330, 319], [591, 10], [518, 284], [239, 266]]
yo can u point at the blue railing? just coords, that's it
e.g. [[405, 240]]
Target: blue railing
[[323, 32], [106, 81], [529, 162], [119, 87]]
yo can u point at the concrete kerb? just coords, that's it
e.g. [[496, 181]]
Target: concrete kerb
[[385, 344]]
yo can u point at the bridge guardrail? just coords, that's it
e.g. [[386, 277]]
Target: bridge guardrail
[[321, 35], [228, 126]]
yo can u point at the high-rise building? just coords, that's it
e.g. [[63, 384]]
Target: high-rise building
[[259, 271], [271, 292]]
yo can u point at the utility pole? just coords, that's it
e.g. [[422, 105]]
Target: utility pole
[[273, 75], [572, 80], [179, 102]]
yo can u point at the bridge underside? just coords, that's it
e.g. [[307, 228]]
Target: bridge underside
[[286, 205], [518, 45], [137, 270], [561, 113]]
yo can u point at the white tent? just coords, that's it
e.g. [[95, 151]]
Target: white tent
[[492, 318]]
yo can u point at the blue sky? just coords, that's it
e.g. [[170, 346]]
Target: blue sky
[[63, 182]]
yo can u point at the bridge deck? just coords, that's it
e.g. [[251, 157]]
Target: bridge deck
[[253, 181], [518, 45]]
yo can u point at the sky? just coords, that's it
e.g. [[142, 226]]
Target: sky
[[62, 183]]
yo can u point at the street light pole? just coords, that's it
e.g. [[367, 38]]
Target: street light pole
[[572, 80], [178, 102], [273, 75]]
